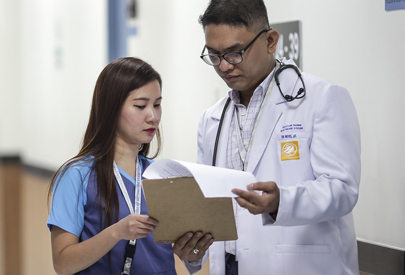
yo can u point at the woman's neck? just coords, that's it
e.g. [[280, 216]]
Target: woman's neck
[[125, 156]]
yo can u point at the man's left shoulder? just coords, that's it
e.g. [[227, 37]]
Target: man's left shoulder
[[314, 81]]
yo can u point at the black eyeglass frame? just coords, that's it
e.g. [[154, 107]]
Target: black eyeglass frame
[[240, 53]]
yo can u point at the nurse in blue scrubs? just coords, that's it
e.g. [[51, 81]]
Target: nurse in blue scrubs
[[98, 219]]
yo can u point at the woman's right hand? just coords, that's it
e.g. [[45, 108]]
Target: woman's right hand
[[71, 256], [134, 226]]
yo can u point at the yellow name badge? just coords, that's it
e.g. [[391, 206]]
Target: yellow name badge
[[290, 150]]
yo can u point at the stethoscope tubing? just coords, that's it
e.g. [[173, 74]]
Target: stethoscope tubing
[[214, 157]]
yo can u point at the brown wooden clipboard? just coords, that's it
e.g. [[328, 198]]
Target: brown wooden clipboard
[[180, 207]]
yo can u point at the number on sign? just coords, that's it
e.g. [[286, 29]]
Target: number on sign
[[294, 46], [280, 47]]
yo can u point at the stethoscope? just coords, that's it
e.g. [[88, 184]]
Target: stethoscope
[[300, 94]]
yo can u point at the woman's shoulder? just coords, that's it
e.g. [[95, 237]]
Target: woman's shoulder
[[78, 168]]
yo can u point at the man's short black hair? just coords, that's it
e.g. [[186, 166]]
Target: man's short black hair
[[249, 13]]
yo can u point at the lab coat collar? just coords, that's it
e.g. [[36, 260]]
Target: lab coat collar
[[272, 112]]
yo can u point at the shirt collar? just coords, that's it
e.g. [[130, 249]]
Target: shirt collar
[[264, 86]]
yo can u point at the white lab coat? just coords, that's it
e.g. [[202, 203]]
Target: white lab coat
[[314, 231]]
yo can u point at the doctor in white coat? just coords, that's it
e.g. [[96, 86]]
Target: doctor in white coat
[[305, 154]]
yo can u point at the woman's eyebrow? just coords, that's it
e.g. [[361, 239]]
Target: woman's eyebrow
[[146, 99], [141, 98]]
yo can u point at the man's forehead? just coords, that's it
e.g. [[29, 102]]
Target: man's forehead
[[220, 37], [224, 28]]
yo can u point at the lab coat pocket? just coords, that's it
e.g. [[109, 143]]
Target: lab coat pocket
[[293, 153], [292, 146], [309, 259]]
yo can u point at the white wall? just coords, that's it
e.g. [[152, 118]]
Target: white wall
[[353, 43], [9, 79], [63, 49]]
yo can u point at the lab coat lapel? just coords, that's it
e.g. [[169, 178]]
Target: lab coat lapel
[[271, 114], [265, 128]]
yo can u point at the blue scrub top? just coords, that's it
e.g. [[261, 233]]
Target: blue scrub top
[[75, 210]]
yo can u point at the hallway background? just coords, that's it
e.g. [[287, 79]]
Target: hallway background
[[51, 53]]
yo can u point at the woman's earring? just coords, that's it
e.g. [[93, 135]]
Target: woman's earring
[[141, 147]]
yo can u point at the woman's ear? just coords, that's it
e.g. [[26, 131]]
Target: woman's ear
[[272, 40]]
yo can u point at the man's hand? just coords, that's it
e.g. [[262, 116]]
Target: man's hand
[[192, 247], [267, 202]]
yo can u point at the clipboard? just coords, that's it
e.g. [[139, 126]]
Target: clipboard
[[180, 207]]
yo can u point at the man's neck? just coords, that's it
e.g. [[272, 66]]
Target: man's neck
[[245, 97]]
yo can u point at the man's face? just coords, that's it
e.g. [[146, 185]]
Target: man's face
[[258, 60]]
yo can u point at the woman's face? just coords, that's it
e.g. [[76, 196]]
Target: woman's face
[[140, 115]]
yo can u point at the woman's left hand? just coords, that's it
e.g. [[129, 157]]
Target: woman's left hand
[[192, 246]]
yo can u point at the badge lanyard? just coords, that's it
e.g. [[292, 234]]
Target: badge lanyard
[[243, 151], [130, 248]]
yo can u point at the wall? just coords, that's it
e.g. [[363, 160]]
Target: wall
[[63, 49], [9, 78]]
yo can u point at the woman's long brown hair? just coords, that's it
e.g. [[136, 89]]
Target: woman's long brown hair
[[113, 86]]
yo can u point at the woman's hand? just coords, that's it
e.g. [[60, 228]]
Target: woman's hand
[[192, 247], [134, 226], [71, 256]]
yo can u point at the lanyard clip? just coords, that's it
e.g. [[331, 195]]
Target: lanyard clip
[[127, 266], [129, 255]]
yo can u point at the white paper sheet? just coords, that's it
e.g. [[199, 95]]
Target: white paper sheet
[[214, 181]]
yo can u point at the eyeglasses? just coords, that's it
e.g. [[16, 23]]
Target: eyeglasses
[[231, 57]]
